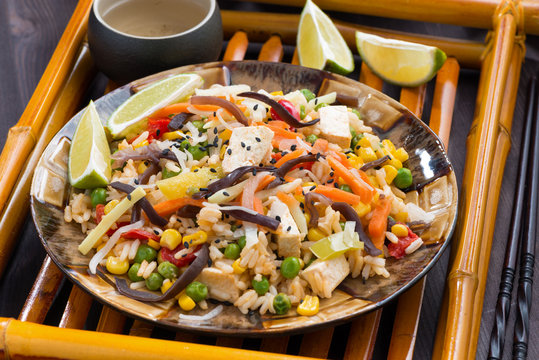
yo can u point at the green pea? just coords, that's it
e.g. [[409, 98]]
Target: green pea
[[145, 252], [311, 138], [154, 281], [198, 151], [308, 94], [199, 124], [196, 291], [403, 178], [132, 273], [233, 227], [302, 111], [242, 241], [281, 303], [98, 196], [166, 173], [184, 144], [342, 224], [355, 140], [168, 270], [357, 113], [261, 287], [232, 251], [321, 105], [345, 188], [290, 267]]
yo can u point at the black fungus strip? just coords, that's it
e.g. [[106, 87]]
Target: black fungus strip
[[177, 121], [375, 163], [188, 211], [310, 199], [279, 109], [350, 215], [150, 170], [225, 104], [196, 267], [259, 219], [136, 213], [287, 166], [153, 216]]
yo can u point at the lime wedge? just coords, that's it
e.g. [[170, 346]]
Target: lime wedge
[[89, 156], [399, 62], [320, 44], [131, 117]]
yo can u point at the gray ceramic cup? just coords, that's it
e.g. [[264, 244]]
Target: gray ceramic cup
[[130, 39]]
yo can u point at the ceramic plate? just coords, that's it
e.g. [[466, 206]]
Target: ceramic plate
[[436, 192]]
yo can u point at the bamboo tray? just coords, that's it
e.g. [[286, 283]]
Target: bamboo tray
[[68, 75]]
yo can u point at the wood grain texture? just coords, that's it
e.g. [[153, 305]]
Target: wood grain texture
[[76, 309]]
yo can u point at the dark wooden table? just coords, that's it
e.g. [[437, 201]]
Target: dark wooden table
[[29, 32]]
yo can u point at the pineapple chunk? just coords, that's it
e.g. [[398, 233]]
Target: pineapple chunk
[[187, 183]]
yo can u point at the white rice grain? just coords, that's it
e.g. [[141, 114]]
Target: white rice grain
[[416, 244]]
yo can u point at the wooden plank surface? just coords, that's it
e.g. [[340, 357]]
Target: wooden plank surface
[[30, 32]]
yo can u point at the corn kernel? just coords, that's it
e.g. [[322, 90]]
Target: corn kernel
[[198, 238], [373, 180], [223, 152], [173, 135], [401, 155], [170, 239], [276, 93], [226, 134], [400, 230], [166, 285], [142, 167], [383, 152], [308, 183], [366, 154], [141, 144], [116, 266], [154, 244], [362, 209], [315, 234], [186, 303], [238, 269], [355, 161], [401, 216], [394, 162], [388, 144], [309, 306], [111, 205], [391, 173], [307, 217], [364, 142]]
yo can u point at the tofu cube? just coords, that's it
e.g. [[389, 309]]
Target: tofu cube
[[221, 286], [334, 125], [325, 275], [288, 235], [248, 146]]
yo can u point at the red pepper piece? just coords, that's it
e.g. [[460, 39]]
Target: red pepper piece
[[157, 127], [140, 234], [99, 212], [398, 250], [168, 255], [289, 107]]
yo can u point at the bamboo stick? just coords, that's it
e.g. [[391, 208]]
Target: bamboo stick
[[43, 291], [275, 345], [471, 13], [22, 137], [237, 47], [463, 276], [27, 340], [141, 328], [110, 321], [316, 344], [362, 336], [260, 26], [230, 342], [272, 50], [76, 309]]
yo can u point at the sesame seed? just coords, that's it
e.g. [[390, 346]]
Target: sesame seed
[[330, 181], [135, 181], [301, 205], [156, 232], [331, 173], [229, 151], [278, 218], [196, 170], [254, 172], [242, 144], [336, 185], [157, 132], [316, 101], [129, 197], [214, 114], [255, 107], [146, 163], [217, 241], [258, 139], [203, 189], [318, 155], [289, 228], [348, 151], [225, 193], [312, 188], [215, 130], [213, 170], [273, 161], [209, 262], [186, 244], [293, 147], [226, 142], [248, 148]]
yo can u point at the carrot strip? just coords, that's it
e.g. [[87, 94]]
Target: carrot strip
[[338, 194], [182, 107], [358, 186], [169, 207], [279, 123], [378, 222], [342, 159], [282, 132], [257, 204], [320, 145], [291, 155], [287, 199], [265, 182]]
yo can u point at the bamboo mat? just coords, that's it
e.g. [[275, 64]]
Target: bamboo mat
[[350, 341]]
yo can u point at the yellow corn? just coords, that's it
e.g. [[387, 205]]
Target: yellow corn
[[154, 244], [223, 151], [170, 239], [276, 93], [173, 135], [394, 162], [373, 180], [388, 145], [401, 154], [166, 285], [226, 134], [142, 167], [315, 234], [238, 269], [400, 230], [198, 238], [366, 154], [110, 205], [309, 306], [116, 266], [383, 152], [401, 216], [186, 303], [355, 160], [141, 144], [391, 173], [362, 209], [301, 263], [308, 183], [307, 217], [364, 142], [123, 145]]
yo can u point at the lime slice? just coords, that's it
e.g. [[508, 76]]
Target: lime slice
[[399, 62], [131, 117], [89, 156], [320, 44]]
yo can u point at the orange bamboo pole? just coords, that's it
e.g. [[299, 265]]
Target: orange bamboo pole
[[261, 25], [141, 329], [362, 336], [76, 309], [110, 321], [316, 344], [272, 50], [463, 277], [43, 291], [471, 13], [22, 137], [230, 342], [275, 345], [237, 47], [24, 340]]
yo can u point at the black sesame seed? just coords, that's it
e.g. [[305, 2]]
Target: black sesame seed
[[229, 151], [213, 170], [301, 167], [289, 228], [348, 151], [146, 162], [199, 133], [186, 244], [331, 173], [203, 189], [217, 241], [156, 232], [184, 255], [165, 151], [254, 172], [242, 144], [316, 101], [318, 155], [301, 205], [129, 197], [248, 148], [278, 218], [196, 170], [293, 147], [210, 262], [225, 193], [214, 114], [284, 153], [258, 139], [135, 181], [312, 188], [255, 107], [226, 142], [215, 130], [336, 185], [273, 161], [157, 132], [330, 181]]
